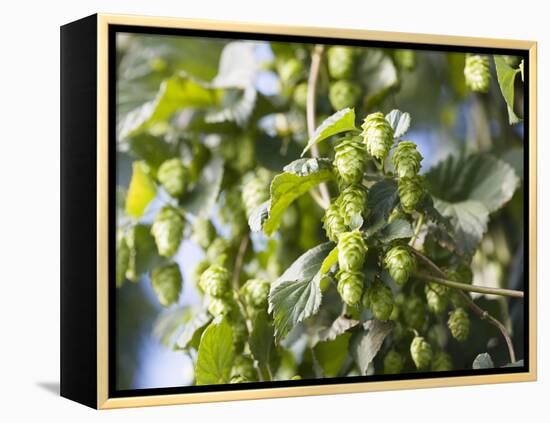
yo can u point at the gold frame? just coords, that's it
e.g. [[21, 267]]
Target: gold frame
[[103, 401]]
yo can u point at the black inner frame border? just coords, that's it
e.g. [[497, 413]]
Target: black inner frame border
[[113, 392]]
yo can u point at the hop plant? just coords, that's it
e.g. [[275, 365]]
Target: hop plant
[[219, 251], [215, 281], [300, 95], [350, 286], [435, 298], [406, 159], [340, 62], [244, 367], [173, 176], [393, 363], [351, 251], [421, 352], [255, 292], [400, 263], [459, 324], [197, 272], [476, 73], [167, 281], [122, 258], [343, 93], [379, 298], [289, 70], [405, 59], [442, 362], [333, 221], [219, 306], [353, 202], [255, 189], [411, 191], [349, 160], [203, 232], [414, 312], [377, 135], [167, 229]]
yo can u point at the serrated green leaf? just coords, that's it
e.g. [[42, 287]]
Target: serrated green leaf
[[330, 260], [341, 121], [296, 295], [338, 327], [287, 187], [381, 76], [201, 198], [331, 355], [141, 191], [483, 361], [175, 93], [398, 229], [506, 76], [192, 331], [399, 121], [216, 354], [383, 197], [262, 345], [274, 153], [367, 344]]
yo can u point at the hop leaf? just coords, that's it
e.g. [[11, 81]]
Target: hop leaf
[[343, 93], [173, 176], [414, 313], [411, 191], [406, 159], [421, 352], [203, 232], [166, 281], [400, 263], [122, 258], [333, 221], [393, 363], [436, 298], [300, 95], [219, 306], [340, 62], [255, 190], [349, 160], [442, 362], [215, 281], [379, 298], [350, 286], [167, 229], [459, 324], [255, 292], [353, 201], [377, 135], [351, 251], [476, 73]]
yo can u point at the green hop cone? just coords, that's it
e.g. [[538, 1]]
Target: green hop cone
[[255, 189], [459, 324], [350, 286], [406, 159], [333, 221], [436, 298], [244, 367], [300, 95], [214, 281], [198, 270], [411, 192], [167, 281], [393, 363], [219, 251], [289, 70], [173, 176], [122, 258], [421, 352], [167, 229], [414, 313], [340, 62], [377, 135], [400, 263], [232, 212], [353, 202], [442, 362], [351, 251], [476, 73], [379, 298], [200, 156], [255, 292], [405, 59], [343, 93], [349, 160], [220, 306], [204, 232]]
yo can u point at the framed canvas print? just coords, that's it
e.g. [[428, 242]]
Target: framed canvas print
[[257, 211]]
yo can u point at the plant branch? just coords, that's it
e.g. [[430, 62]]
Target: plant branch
[[419, 224], [482, 314], [310, 113]]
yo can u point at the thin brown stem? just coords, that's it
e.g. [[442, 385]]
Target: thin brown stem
[[310, 112], [483, 314]]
